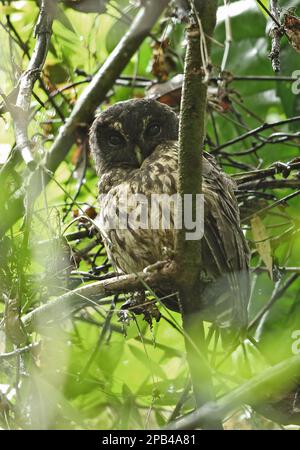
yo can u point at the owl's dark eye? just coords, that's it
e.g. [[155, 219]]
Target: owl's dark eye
[[116, 139], [153, 130]]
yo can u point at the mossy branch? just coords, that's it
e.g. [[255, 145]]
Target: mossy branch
[[200, 28]]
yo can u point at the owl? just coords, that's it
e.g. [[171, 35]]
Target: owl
[[135, 148]]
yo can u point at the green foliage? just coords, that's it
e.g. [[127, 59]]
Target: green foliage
[[89, 371]]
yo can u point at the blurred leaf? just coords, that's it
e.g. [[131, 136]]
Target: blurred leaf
[[115, 34], [56, 73], [160, 419], [151, 365], [64, 20], [87, 6]]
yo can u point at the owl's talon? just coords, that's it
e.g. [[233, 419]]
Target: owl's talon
[[130, 306], [124, 317], [155, 267], [138, 305], [284, 169]]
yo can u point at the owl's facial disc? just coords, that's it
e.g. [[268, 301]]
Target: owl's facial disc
[[128, 132]]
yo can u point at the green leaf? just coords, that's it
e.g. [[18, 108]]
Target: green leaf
[[64, 20], [115, 34], [152, 366]]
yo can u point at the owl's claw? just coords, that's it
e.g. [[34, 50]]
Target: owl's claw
[[139, 305], [124, 317], [155, 267]]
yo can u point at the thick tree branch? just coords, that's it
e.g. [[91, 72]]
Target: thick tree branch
[[62, 307], [191, 138]]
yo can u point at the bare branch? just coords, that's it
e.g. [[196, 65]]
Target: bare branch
[[28, 78], [276, 34], [18, 351], [261, 174], [277, 293], [256, 131], [270, 14]]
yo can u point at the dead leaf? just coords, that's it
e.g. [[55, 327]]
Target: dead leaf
[[292, 29], [163, 62], [169, 92], [262, 243]]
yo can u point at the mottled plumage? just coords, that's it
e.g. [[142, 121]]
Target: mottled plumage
[[135, 148]]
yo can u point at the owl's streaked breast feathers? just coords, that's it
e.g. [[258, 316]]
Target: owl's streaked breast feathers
[[150, 129]]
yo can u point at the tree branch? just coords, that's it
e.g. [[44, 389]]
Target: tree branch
[[256, 131], [276, 34], [279, 378], [191, 138], [104, 80], [20, 111], [85, 107], [89, 294], [261, 174]]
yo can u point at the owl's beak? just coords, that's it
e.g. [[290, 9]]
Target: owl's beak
[[139, 154]]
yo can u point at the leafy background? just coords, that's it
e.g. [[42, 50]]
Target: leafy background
[[90, 371]]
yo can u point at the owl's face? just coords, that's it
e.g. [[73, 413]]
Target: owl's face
[[128, 132]]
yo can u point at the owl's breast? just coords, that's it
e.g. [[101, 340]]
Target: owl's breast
[[134, 225]]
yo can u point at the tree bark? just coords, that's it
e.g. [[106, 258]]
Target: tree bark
[[191, 138]]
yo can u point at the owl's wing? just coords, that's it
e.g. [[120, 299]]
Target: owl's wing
[[225, 251]]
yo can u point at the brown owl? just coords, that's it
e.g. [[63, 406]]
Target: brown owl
[[135, 147]]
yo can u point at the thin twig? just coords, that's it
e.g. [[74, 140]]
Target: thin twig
[[269, 13], [228, 40], [256, 131], [18, 351], [277, 294], [273, 205]]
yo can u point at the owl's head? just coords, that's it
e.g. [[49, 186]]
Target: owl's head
[[128, 132]]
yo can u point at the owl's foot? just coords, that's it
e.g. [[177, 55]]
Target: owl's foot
[[282, 168], [155, 267], [138, 304]]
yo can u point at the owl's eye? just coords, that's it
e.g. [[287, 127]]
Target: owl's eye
[[153, 130], [116, 139]]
